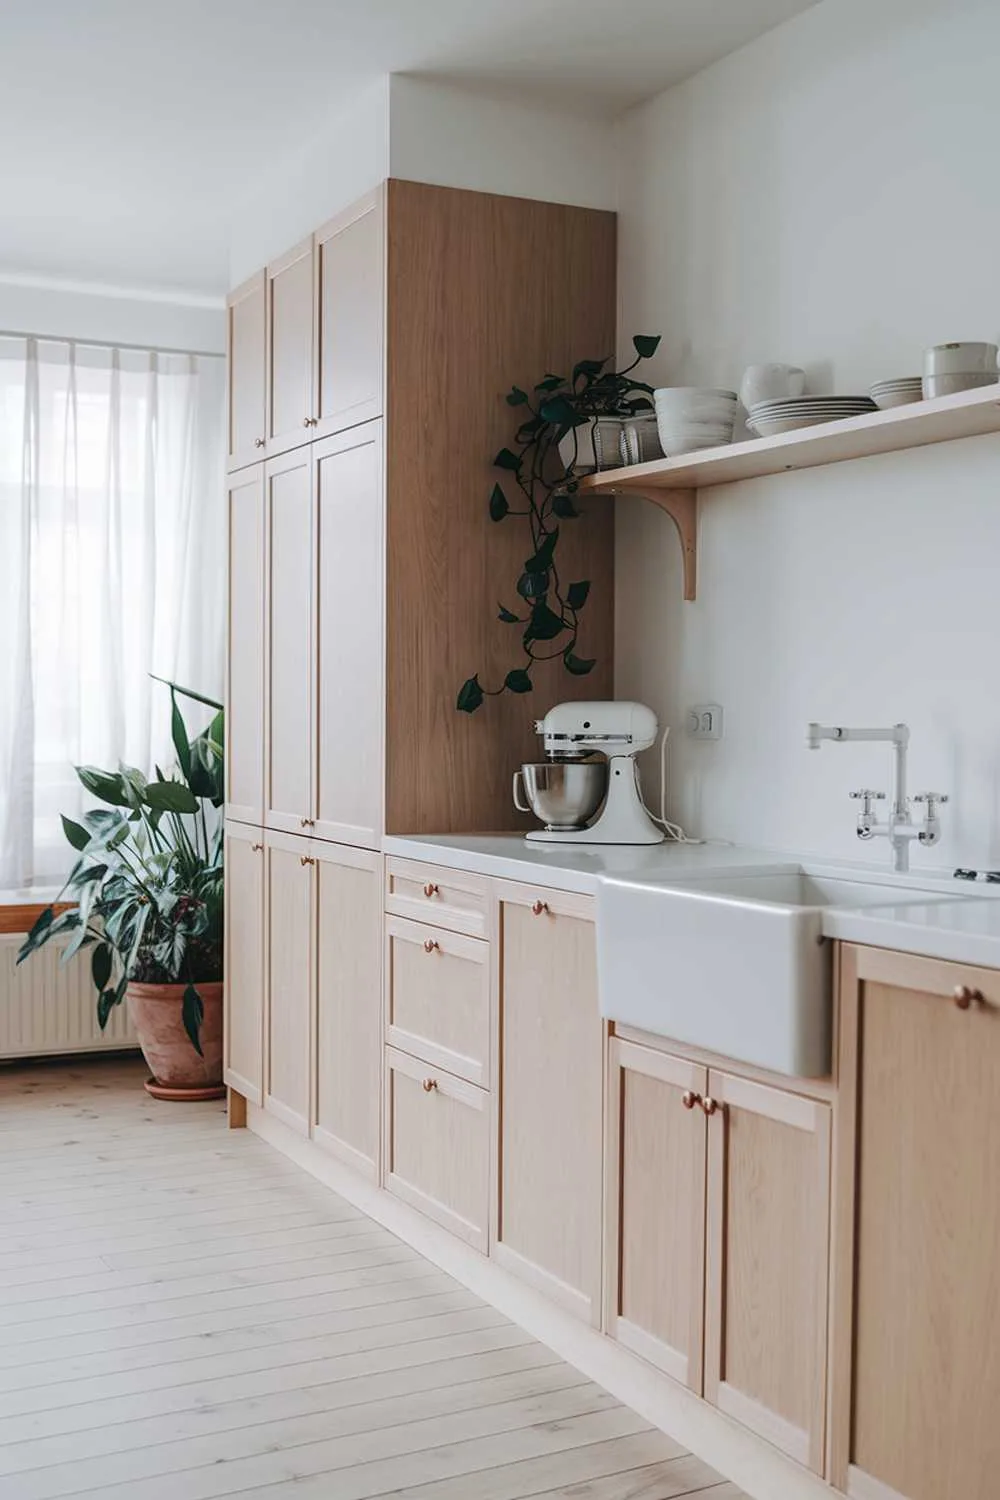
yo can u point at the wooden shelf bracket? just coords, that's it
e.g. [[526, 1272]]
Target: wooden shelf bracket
[[682, 508]]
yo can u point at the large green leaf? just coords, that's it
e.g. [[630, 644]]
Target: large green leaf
[[179, 735], [576, 594], [646, 344], [542, 560], [560, 412], [578, 666], [544, 624], [588, 367], [106, 1002], [563, 507], [75, 833], [517, 397], [470, 696], [188, 692], [170, 796], [192, 1014], [518, 681], [505, 459], [105, 785], [550, 383], [533, 585], [100, 965]]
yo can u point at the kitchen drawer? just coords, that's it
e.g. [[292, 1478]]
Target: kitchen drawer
[[438, 1146], [448, 898], [438, 997]]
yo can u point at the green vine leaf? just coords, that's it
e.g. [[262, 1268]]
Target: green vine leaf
[[518, 681], [563, 507], [470, 696], [646, 344], [544, 624], [533, 585], [577, 593], [498, 504], [505, 459], [550, 383], [517, 397], [578, 666], [560, 412], [508, 617], [589, 368], [542, 560]]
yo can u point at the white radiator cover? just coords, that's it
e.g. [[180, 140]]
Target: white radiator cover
[[46, 1009]]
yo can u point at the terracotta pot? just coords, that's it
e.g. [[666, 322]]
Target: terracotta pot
[[178, 1071]]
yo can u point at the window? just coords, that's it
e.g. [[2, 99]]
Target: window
[[112, 566]]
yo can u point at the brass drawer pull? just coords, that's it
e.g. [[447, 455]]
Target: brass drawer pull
[[710, 1106], [431, 945], [689, 1099], [306, 859], [307, 822], [430, 889], [538, 908], [430, 1084], [964, 996]]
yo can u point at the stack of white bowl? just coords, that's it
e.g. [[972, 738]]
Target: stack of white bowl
[[690, 417], [898, 392], [958, 367]]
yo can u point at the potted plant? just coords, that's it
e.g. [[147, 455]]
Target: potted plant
[[146, 895], [544, 468]]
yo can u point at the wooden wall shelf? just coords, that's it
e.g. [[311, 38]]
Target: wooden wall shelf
[[672, 483]]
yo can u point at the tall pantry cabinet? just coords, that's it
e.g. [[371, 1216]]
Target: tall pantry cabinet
[[367, 372]]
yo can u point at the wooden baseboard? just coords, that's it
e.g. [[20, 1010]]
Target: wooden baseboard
[[752, 1464]]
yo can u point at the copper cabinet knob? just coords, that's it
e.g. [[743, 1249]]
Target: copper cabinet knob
[[431, 945], [538, 907], [430, 889], [689, 1099], [964, 995], [306, 859], [709, 1106], [430, 1084], [256, 848], [307, 822]]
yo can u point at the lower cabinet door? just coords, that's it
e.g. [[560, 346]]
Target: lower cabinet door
[[291, 868], [438, 1146], [244, 961], [655, 1207], [348, 1003], [767, 1262]]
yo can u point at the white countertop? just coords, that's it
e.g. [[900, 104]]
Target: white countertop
[[947, 919]]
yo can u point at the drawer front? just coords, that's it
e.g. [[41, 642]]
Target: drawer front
[[447, 898], [437, 1146], [438, 997]]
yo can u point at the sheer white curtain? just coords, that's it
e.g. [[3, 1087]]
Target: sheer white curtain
[[112, 566]]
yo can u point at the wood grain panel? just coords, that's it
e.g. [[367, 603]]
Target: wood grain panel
[[927, 1295], [438, 997], [290, 349], [290, 899], [349, 255], [483, 292], [446, 898], [244, 1030]]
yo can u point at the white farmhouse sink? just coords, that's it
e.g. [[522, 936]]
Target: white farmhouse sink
[[735, 963]]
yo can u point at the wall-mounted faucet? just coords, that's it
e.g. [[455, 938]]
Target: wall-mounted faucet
[[899, 827]]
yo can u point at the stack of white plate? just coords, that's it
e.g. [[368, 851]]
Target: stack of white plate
[[690, 417], [768, 418], [899, 392]]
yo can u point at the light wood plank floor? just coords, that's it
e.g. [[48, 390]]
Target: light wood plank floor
[[184, 1314]]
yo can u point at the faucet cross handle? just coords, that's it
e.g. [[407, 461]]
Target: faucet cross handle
[[934, 800], [867, 796]]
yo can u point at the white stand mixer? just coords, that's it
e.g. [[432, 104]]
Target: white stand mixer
[[573, 731]]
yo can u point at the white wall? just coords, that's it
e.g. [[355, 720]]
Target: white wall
[[346, 156], [464, 138], [81, 310], [825, 196]]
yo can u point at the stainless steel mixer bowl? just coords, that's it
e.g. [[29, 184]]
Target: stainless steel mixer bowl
[[564, 794]]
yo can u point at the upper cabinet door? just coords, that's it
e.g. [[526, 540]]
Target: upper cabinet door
[[290, 417], [245, 344], [349, 261], [349, 631], [288, 664], [245, 649]]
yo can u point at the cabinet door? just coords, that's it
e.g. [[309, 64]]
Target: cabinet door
[[348, 1003], [244, 961], [551, 1097], [655, 1207], [767, 1262], [349, 636], [289, 674], [349, 263], [920, 1060], [290, 900], [437, 995], [245, 649], [246, 365], [290, 349]]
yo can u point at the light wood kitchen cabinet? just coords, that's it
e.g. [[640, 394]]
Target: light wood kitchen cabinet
[[767, 1261], [438, 1145], [349, 636], [437, 994], [290, 901], [244, 962], [288, 732], [348, 301], [551, 1097], [246, 323], [245, 648], [348, 1003], [655, 1146], [289, 384], [916, 1293]]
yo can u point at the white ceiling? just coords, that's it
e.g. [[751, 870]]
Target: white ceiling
[[131, 127]]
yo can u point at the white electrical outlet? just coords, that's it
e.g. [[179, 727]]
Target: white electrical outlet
[[704, 721]]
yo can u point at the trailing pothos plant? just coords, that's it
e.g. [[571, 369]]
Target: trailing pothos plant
[[549, 611], [146, 889]]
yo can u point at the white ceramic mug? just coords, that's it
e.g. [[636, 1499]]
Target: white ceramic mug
[[773, 382]]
